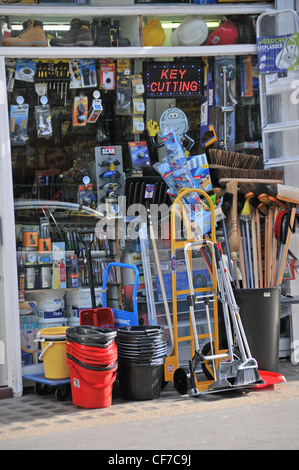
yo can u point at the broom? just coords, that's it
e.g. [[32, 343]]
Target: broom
[[258, 207], [279, 234], [249, 175], [274, 249], [227, 159], [248, 189], [254, 248], [245, 217], [259, 248], [289, 195], [231, 225]]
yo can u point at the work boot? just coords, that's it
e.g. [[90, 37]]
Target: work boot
[[32, 34], [78, 35], [107, 35]]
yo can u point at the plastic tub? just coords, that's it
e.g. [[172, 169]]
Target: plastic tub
[[97, 359], [80, 299], [90, 335], [90, 388], [49, 323], [50, 304], [141, 355], [54, 360], [140, 381]]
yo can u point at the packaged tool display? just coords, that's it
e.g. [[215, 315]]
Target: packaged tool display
[[109, 172], [43, 119], [18, 122]]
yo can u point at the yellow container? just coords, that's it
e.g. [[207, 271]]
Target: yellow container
[[53, 332], [53, 355]]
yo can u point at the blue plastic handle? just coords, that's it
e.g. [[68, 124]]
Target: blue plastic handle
[[136, 282]]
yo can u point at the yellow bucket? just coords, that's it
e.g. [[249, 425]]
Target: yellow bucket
[[53, 355]]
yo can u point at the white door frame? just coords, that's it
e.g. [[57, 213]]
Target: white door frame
[[9, 302]]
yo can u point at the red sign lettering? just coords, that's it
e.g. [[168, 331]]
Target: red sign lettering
[[172, 79]]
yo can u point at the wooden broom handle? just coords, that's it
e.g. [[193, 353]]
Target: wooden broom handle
[[286, 248]]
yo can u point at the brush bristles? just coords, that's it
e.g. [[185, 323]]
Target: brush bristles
[[241, 173], [233, 159], [289, 192], [246, 188]]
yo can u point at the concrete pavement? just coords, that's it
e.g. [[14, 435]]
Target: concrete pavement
[[265, 419]]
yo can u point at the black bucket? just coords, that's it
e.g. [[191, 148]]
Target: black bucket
[[141, 355], [140, 381], [91, 335], [260, 315]]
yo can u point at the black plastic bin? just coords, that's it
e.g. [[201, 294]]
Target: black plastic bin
[[140, 381], [260, 315], [141, 356]]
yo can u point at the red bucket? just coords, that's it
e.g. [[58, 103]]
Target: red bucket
[[95, 365], [100, 317], [107, 355], [91, 389]]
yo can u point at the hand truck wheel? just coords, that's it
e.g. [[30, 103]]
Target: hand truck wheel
[[207, 367], [181, 380]]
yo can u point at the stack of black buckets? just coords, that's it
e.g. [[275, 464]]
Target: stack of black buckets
[[141, 356]]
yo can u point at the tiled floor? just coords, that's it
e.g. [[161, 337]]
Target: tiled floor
[[33, 415]]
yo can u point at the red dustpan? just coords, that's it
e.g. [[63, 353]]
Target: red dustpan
[[270, 378]]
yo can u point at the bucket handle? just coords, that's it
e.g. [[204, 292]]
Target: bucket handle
[[43, 352]]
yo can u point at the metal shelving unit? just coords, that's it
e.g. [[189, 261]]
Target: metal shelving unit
[[133, 16]]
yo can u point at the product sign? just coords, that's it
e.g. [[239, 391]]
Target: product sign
[[278, 53], [108, 150], [172, 79]]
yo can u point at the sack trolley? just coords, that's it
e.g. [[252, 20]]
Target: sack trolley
[[226, 366]]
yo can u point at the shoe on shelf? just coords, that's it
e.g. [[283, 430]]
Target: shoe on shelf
[[32, 34], [78, 35], [108, 35]]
